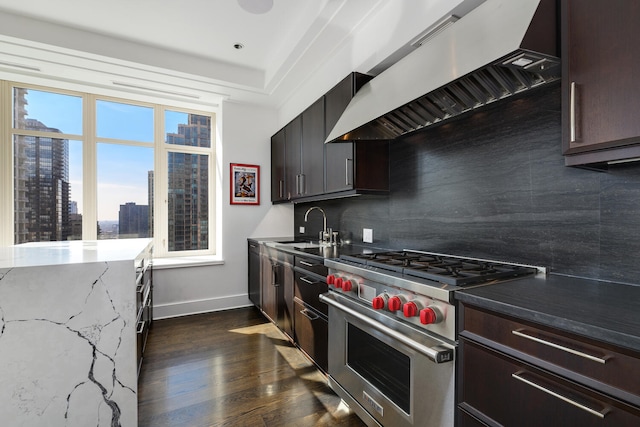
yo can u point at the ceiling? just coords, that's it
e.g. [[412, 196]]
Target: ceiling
[[196, 36]]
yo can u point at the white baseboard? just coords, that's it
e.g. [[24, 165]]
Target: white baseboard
[[185, 308]]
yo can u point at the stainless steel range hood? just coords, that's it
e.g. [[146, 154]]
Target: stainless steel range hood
[[501, 48]]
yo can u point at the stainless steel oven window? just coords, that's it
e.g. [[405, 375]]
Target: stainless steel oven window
[[384, 367]]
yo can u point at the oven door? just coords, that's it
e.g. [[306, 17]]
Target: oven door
[[390, 373]]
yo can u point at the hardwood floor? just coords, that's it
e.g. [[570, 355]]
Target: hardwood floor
[[232, 368]]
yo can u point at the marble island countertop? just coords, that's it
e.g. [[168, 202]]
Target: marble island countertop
[[68, 333], [70, 252]]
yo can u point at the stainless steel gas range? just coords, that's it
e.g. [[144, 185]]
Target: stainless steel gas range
[[392, 331]]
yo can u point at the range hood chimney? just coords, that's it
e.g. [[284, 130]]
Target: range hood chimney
[[500, 48]]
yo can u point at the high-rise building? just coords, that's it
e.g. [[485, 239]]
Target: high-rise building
[[188, 178], [41, 180], [133, 220]]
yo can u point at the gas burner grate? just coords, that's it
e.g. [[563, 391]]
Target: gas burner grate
[[441, 268]]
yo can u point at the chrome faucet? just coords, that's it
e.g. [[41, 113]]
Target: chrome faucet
[[325, 235]]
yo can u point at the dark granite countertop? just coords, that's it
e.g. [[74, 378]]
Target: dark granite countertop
[[608, 312]]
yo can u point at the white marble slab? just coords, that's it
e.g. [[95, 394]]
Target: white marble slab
[[67, 336]]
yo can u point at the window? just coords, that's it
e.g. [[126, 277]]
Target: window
[[148, 170]]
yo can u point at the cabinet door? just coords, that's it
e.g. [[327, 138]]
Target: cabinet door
[[269, 288], [601, 58], [254, 274], [312, 334], [312, 179], [278, 184], [339, 156], [292, 153], [512, 393], [285, 322]]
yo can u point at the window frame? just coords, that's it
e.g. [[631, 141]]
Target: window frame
[[90, 142]]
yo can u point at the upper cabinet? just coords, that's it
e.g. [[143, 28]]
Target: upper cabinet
[[304, 168], [278, 190], [601, 94]]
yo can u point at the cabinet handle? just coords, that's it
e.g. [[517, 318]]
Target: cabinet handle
[[305, 280], [347, 181], [140, 329], [307, 264], [281, 188], [600, 414], [572, 112], [560, 347], [303, 184], [274, 279], [309, 314]]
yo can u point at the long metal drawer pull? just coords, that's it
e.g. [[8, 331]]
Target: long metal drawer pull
[[308, 264], [599, 414], [560, 347], [572, 112], [431, 353], [309, 315], [305, 280]]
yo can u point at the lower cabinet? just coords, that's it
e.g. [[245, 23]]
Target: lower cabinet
[[144, 302], [311, 321], [515, 373], [254, 284], [277, 288], [311, 333]]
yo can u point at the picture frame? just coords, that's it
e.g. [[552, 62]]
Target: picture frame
[[245, 184]]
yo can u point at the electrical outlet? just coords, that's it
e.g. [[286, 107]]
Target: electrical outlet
[[301, 230], [367, 235]]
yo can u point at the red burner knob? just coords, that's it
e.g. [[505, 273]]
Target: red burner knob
[[378, 302], [430, 315], [330, 279], [338, 282], [347, 285], [410, 309], [395, 303]]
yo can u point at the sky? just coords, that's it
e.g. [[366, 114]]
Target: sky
[[122, 170]]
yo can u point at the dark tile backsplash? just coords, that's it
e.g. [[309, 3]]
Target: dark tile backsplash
[[493, 185]]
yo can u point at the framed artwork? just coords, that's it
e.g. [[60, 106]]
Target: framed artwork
[[245, 184]]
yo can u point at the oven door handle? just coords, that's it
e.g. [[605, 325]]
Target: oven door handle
[[437, 354]]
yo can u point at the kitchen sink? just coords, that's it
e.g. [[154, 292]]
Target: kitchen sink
[[303, 245]]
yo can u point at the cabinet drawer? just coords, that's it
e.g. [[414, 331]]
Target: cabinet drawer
[[312, 333], [512, 393], [616, 371], [308, 289], [312, 265]]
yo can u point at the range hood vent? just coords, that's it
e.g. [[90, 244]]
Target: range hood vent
[[499, 49]]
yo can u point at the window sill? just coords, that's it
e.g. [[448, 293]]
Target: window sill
[[180, 262]]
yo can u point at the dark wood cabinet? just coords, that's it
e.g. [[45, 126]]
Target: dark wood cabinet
[[312, 157], [311, 331], [254, 283], [304, 167], [514, 372], [293, 158], [277, 288], [278, 184], [601, 95], [352, 165]]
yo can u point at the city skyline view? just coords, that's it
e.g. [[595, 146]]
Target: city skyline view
[[118, 173], [124, 170]]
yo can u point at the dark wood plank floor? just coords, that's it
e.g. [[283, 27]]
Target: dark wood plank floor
[[232, 368]]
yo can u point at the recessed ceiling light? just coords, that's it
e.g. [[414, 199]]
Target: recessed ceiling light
[[256, 6], [238, 46]]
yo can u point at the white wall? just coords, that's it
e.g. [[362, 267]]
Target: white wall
[[245, 138]]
